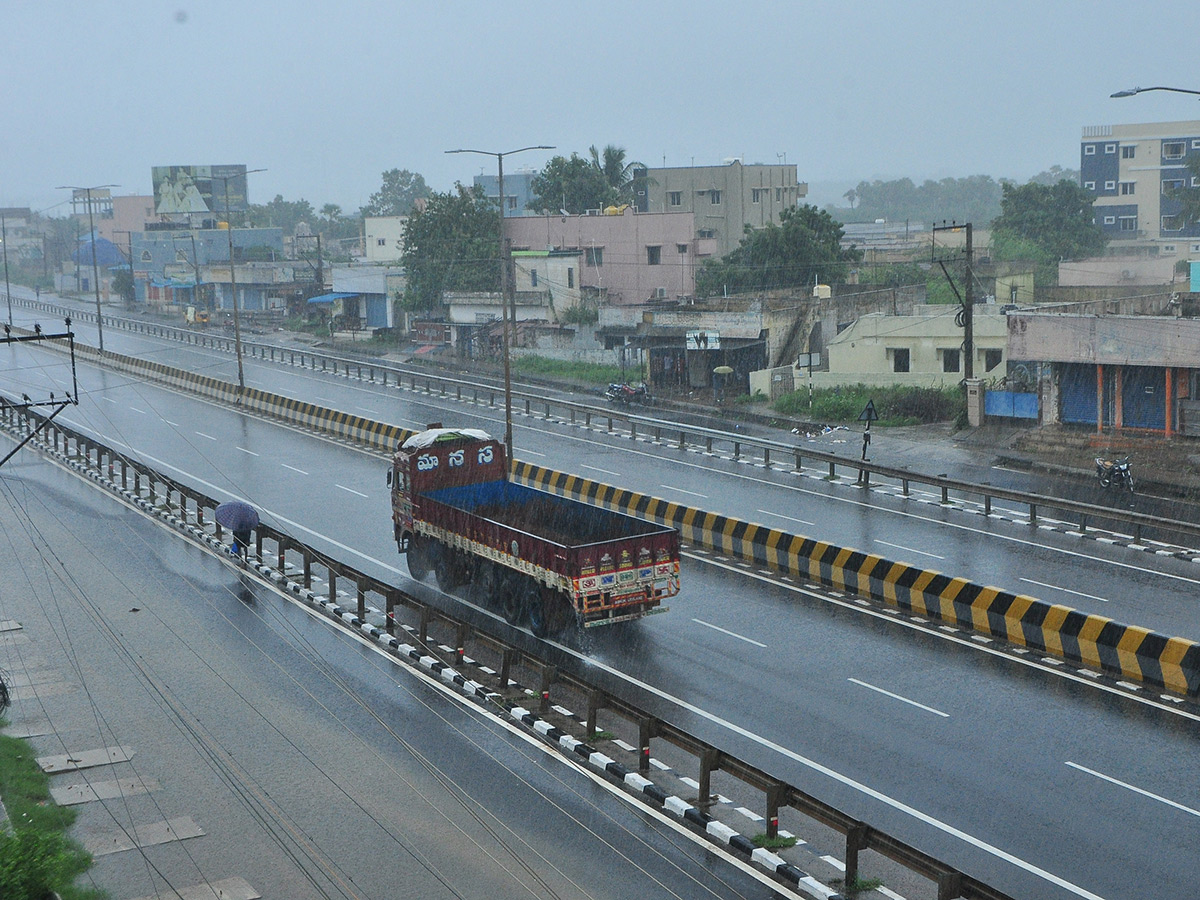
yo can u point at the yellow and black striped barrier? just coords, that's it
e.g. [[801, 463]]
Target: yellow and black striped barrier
[[1126, 651]]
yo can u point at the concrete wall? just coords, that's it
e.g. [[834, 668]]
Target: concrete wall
[[1121, 270], [1159, 341], [384, 238]]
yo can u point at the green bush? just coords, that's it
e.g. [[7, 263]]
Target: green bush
[[590, 373], [895, 405]]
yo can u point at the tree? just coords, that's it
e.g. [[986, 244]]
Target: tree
[[1046, 224], [851, 196], [280, 213], [451, 245], [972, 199], [1054, 175], [804, 247], [332, 212], [570, 183], [399, 193], [619, 178], [122, 285]]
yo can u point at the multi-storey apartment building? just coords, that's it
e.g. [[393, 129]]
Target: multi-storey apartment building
[[724, 199], [1132, 170]]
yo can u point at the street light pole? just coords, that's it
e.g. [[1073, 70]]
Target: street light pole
[[237, 325], [95, 264], [505, 294], [4, 241], [1129, 92]]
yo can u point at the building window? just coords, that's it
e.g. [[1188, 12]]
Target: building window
[[653, 255], [512, 202], [706, 234], [715, 197], [570, 277], [381, 242], [1127, 152], [951, 360], [1172, 184], [594, 256], [681, 248], [1089, 149], [1110, 185], [1110, 148], [1168, 248], [533, 277], [1129, 223], [1196, 181], [1127, 187], [1174, 149], [991, 359], [899, 359], [1089, 185], [1196, 143], [1172, 223], [757, 194], [779, 195], [675, 198], [1110, 220]]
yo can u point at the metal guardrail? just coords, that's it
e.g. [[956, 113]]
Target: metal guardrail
[[193, 508], [771, 453]]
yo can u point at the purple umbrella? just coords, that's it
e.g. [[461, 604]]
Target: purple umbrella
[[237, 516]]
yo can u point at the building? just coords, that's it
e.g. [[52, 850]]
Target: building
[[190, 267], [518, 190], [384, 238], [128, 214], [1113, 372], [925, 348], [22, 239], [367, 294], [724, 199], [1131, 170], [627, 258]]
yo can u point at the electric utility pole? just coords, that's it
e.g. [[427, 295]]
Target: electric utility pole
[[966, 313]]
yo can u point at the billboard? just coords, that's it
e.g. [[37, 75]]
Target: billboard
[[199, 189]]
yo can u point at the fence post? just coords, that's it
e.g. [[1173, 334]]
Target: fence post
[[856, 840], [709, 759], [647, 729]]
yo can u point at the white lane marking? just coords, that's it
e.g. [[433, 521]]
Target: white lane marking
[[324, 399], [1136, 790], [532, 453], [203, 435], [215, 489], [172, 424], [293, 468], [350, 490], [879, 690], [109, 399], [767, 512], [365, 409], [140, 412], [1014, 471], [682, 491], [730, 633], [908, 549], [846, 780], [605, 471], [251, 452], [1055, 587]]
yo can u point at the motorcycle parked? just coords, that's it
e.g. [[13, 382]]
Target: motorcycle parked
[[628, 393], [1114, 471]]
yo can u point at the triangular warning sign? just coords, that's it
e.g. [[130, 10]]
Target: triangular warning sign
[[868, 414]]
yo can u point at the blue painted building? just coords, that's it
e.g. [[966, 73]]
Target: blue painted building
[[518, 190]]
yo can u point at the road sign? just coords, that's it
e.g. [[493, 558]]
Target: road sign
[[808, 360], [868, 414]]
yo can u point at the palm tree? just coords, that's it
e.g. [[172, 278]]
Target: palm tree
[[332, 212], [619, 175]]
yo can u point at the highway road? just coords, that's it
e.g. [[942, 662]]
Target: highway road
[[306, 779], [1047, 785]]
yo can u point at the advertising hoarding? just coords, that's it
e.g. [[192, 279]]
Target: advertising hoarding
[[199, 189]]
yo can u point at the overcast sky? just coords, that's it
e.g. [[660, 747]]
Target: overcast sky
[[327, 95]]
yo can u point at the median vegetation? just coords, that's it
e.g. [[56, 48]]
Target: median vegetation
[[37, 858], [895, 405]]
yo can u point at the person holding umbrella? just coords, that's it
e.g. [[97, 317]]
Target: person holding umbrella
[[240, 518]]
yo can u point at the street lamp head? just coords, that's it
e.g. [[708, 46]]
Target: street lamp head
[[1128, 92]]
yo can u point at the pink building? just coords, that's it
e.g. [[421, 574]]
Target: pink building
[[626, 258]]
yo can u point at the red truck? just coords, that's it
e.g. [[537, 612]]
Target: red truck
[[537, 557]]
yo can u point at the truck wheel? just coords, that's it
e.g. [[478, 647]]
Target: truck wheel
[[515, 599], [417, 557], [450, 569]]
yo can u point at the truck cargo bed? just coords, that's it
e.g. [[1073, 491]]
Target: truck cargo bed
[[557, 519]]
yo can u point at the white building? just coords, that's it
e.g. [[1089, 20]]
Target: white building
[[384, 238]]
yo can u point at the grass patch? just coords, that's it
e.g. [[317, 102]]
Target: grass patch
[[602, 736], [589, 373], [860, 885], [772, 843], [896, 405], [36, 856]]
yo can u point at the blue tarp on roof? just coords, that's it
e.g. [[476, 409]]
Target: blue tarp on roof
[[107, 253], [329, 298]]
